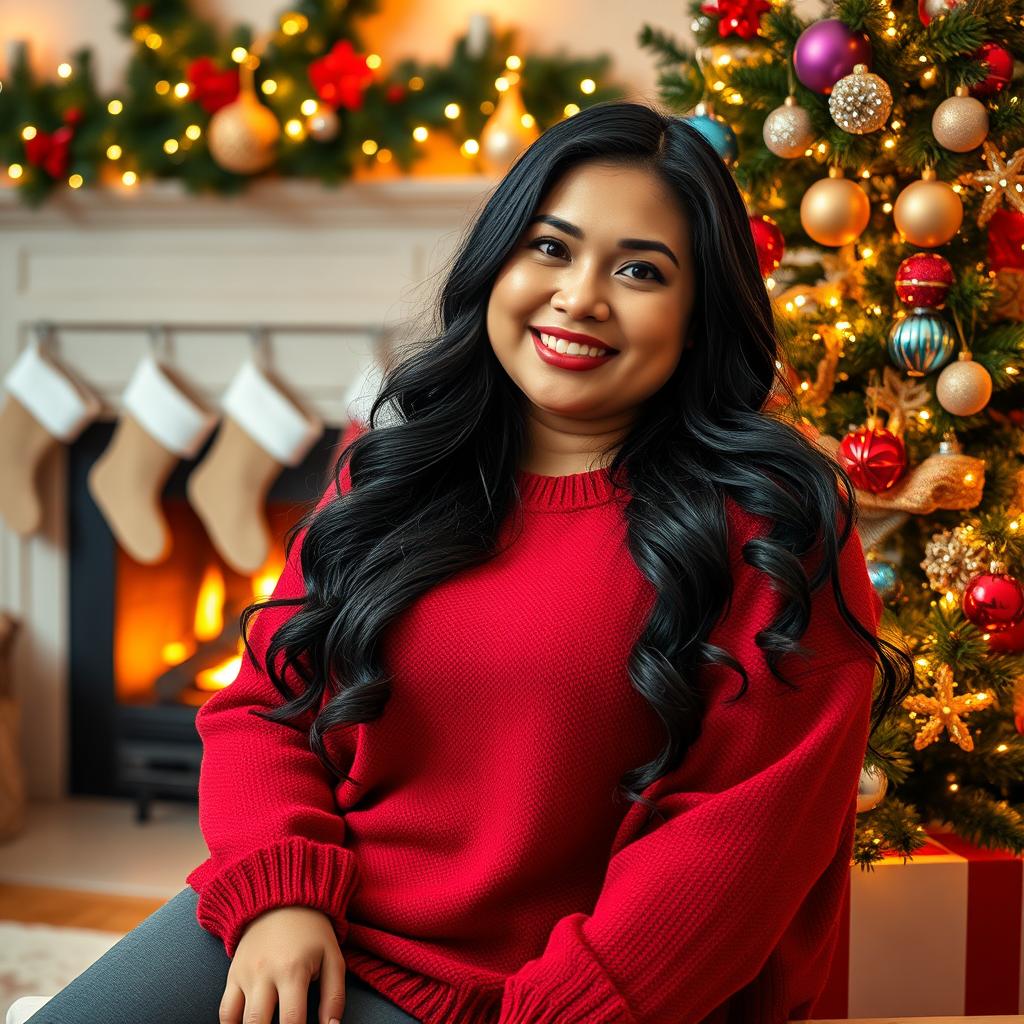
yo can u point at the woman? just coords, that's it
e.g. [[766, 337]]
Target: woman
[[558, 710]]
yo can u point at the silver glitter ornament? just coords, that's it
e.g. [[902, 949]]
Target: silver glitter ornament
[[860, 102], [787, 130], [960, 123]]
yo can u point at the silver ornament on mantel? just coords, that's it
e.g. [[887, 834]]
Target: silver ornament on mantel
[[860, 102], [871, 789], [787, 130], [323, 125]]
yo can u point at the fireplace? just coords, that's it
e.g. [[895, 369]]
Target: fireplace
[[149, 644]]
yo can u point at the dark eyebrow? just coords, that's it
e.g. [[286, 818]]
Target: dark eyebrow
[[624, 243]]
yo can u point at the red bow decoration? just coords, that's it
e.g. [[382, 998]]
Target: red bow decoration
[[210, 88], [340, 76], [49, 150], [740, 16]]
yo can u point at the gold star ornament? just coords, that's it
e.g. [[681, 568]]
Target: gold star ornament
[[1004, 179], [944, 711]]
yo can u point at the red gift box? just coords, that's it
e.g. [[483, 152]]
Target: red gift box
[[937, 935]]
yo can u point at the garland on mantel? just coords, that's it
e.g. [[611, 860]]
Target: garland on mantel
[[301, 100]]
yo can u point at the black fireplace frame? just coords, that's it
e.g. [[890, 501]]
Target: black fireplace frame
[[118, 749]]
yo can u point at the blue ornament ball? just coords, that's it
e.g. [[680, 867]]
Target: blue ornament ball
[[718, 133], [885, 579], [921, 342]]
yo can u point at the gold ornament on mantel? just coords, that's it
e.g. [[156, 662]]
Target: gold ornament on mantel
[[928, 213], [243, 135], [943, 711], [1004, 179], [960, 123], [509, 130]]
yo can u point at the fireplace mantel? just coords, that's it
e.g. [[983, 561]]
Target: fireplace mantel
[[328, 272]]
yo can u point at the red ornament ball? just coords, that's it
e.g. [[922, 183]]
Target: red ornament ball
[[1009, 640], [1000, 69], [768, 241], [924, 280], [993, 601], [874, 459]]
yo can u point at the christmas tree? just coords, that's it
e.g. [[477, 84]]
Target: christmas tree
[[880, 151]]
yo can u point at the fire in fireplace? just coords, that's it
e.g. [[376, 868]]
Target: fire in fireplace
[[149, 644]]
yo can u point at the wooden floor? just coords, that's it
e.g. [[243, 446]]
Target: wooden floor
[[109, 913], [74, 908]]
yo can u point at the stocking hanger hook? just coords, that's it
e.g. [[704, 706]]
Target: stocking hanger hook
[[259, 343], [44, 333], [159, 340]]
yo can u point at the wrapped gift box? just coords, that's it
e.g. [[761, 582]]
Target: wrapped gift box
[[936, 935]]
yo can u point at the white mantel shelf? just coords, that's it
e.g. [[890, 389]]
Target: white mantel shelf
[[418, 200], [331, 273]]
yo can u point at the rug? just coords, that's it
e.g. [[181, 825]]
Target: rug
[[40, 959]]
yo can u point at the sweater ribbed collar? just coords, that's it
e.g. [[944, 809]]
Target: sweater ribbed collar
[[563, 493]]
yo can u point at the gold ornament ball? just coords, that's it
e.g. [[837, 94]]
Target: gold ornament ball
[[960, 123], [928, 212], [787, 130], [242, 135], [508, 131], [871, 789], [859, 103], [834, 211], [964, 387]]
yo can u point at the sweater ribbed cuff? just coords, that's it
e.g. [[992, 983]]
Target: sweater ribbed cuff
[[564, 986], [293, 872]]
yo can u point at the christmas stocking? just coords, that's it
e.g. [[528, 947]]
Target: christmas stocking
[[262, 432], [44, 406], [161, 423]]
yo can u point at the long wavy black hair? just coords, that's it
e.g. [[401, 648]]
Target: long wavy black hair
[[433, 481]]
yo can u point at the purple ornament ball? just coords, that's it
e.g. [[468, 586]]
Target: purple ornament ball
[[827, 51]]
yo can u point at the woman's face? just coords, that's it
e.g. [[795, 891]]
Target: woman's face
[[607, 255]]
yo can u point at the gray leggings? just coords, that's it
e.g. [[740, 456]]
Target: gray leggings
[[169, 970]]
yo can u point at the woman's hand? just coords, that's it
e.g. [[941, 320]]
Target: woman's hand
[[279, 953]]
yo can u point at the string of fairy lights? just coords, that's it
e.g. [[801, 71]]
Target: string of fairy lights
[[309, 115]]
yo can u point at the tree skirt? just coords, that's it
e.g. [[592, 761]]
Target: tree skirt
[[40, 959]]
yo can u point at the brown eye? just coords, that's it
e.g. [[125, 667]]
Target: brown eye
[[538, 242], [646, 266]]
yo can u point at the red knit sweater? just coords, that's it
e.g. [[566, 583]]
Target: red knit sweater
[[483, 874]]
